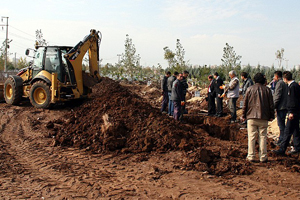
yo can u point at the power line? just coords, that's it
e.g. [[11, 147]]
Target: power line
[[22, 31], [16, 35]]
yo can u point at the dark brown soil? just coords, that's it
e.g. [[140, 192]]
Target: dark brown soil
[[115, 119]]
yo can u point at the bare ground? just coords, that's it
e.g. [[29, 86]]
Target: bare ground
[[33, 167]]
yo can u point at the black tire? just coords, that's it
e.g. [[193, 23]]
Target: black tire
[[40, 96], [12, 93]]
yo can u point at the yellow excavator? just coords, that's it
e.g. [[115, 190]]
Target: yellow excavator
[[56, 74]]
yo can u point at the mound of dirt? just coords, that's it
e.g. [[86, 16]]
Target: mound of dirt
[[116, 119]]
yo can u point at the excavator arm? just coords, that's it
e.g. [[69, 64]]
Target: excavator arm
[[75, 57]]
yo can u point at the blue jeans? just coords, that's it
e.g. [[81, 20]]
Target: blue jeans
[[170, 107], [281, 115]]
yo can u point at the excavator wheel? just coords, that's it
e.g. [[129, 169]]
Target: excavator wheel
[[12, 93], [40, 95]]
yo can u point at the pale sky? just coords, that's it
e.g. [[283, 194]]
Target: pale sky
[[255, 28]]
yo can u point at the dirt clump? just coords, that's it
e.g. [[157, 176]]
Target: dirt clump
[[117, 119]]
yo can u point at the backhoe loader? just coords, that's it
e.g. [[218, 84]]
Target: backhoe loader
[[56, 74]]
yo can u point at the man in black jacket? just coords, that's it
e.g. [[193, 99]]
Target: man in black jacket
[[293, 110], [211, 95], [219, 92], [164, 88], [247, 82], [171, 79], [185, 87], [177, 96], [280, 100]]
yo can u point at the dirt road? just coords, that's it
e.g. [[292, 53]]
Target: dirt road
[[32, 167]]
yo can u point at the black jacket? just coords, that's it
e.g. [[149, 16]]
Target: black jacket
[[293, 98], [280, 95], [164, 84], [245, 86], [170, 81], [218, 83], [177, 91], [184, 85], [212, 89]]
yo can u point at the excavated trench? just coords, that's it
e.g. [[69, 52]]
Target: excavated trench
[[217, 127]]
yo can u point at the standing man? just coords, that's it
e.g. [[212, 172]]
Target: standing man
[[233, 91], [247, 82], [257, 110], [164, 88], [171, 79], [211, 95], [219, 82], [293, 110], [177, 97], [280, 99], [185, 87]]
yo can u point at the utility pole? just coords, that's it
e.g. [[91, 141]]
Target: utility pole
[[118, 57], [6, 41], [286, 60]]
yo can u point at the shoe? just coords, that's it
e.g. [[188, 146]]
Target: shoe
[[164, 112], [231, 122], [279, 152], [253, 161], [293, 152], [264, 161], [277, 143], [217, 115]]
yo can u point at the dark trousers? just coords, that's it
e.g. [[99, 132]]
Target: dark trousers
[[183, 111], [211, 104], [170, 107], [291, 128], [177, 110], [281, 115], [165, 101], [232, 108], [219, 106]]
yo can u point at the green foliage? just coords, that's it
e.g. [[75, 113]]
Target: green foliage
[[22, 63], [230, 60], [129, 60], [176, 60]]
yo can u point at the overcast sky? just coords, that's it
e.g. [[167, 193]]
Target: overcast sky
[[255, 28]]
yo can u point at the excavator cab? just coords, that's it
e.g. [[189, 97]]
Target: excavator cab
[[52, 60]]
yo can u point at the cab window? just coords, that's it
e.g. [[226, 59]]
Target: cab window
[[52, 61], [38, 59]]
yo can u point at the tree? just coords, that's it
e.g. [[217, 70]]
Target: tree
[[230, 59], [39, 38], [9, 65], [169, 55], [279, 56], [129, 60], [22, 63], [176, 60]]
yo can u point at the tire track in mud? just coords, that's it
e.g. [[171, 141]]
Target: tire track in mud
[[35, 169], [45, 173]]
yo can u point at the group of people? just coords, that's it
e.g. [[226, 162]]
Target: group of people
[[174, 88], [217, 91], [259, 106]]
